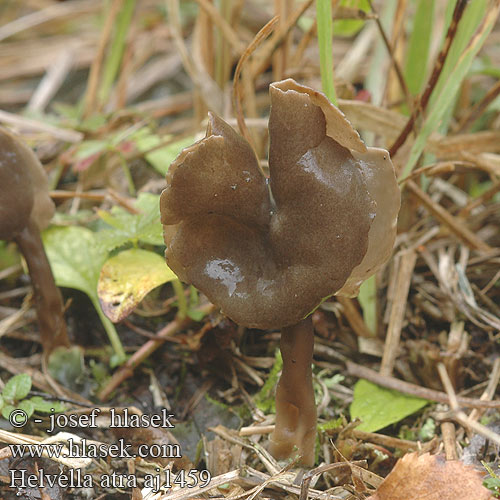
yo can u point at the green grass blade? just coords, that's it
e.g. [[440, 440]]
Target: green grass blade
[[115, 54], [469, 23], [456, 68], [368, 299], [325, 30], [415, 70]]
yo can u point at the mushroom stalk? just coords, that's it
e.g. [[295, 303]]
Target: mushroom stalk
[[295, 405], [48, 300]]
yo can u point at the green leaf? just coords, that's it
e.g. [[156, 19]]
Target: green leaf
[[334, 423], [378, 407], [66, 365], [428, 430], [349, 27], [76, 258], [127, 278], [9, 256], [44, 406], [196, 314], [492, 483], [161, 158], [89, 148], [2, 402], [17, 387], [7, 410], [145, 226], [27, 406]]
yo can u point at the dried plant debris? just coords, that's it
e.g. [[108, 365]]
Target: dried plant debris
[[431, 477]]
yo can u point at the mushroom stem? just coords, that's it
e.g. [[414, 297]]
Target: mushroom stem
[[49, 305], [295, 405]]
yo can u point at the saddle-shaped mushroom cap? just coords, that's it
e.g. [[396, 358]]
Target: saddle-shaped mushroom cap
[[269, 251]]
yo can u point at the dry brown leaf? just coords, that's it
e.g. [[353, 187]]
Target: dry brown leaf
[[431, 477]]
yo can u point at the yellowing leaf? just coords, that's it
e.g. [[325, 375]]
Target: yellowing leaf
[[127, 278]]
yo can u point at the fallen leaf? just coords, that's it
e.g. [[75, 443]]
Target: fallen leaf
[[431, 477], [378, 407], [127, 278]]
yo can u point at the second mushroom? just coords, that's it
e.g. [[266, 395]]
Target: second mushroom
[[269, 251]]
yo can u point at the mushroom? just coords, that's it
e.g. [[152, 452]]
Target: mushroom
[[268, 252], [26, 209]]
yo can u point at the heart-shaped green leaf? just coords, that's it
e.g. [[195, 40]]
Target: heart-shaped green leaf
[[17, 387], [76, 258]]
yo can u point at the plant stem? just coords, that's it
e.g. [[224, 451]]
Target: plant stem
[[182, 306], [295, 405], [114, 339], [325, 33]]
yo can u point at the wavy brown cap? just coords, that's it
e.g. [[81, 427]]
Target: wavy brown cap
[[269, 260], [24, 186]]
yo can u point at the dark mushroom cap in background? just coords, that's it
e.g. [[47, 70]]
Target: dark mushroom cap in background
[[24, 188], [268, 261]]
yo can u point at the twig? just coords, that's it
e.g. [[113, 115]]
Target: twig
[[282, 9], [449, 440], [405, 271], [354, 317], [51, 82], [306, 481], [415, 390], [392, 442], [261, 59], [55, 11], [91, 104], [455, 226], [397, 68], [479, 107], [490, 390], [208, 88], [127, 370], [458, 415], [483, 198], [227, 31], [59, 194], [30, 124], [256, 430], [197, 491], [433, 79]]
